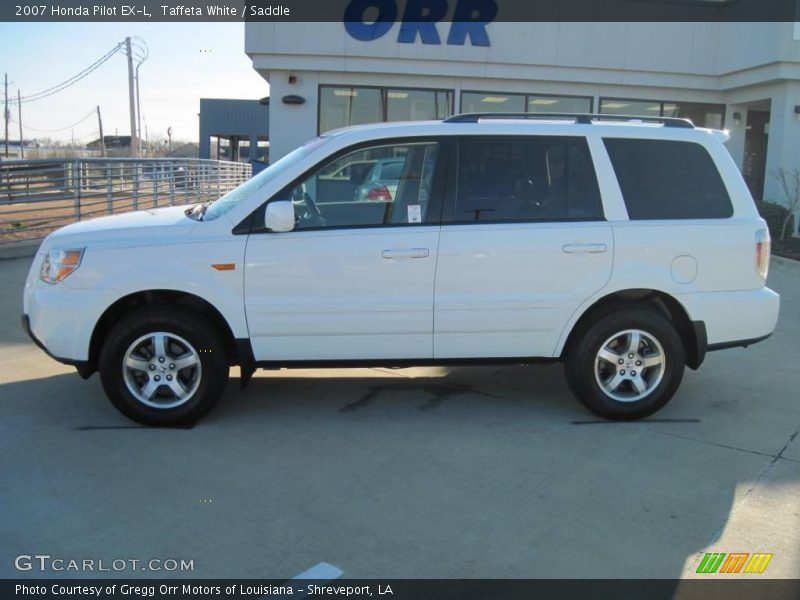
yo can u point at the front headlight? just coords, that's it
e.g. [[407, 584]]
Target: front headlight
[[58, 264]]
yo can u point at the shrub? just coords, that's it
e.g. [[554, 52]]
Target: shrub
[[775, 214], [789, 180]]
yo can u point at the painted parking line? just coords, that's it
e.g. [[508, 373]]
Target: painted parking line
[[320, 573]]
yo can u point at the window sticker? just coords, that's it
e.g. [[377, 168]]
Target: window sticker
[[415, 213]]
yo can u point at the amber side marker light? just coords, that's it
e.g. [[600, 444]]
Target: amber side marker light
[[224, 266]]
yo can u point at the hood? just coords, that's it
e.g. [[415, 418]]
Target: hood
[[144, 226]]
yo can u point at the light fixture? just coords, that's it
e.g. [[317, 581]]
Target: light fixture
[[349, 93], [614, 105], [737, 118], [494, 99], [293, 99], [398, 95], [544, 102]]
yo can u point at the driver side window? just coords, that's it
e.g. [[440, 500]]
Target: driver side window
[[380, 185]]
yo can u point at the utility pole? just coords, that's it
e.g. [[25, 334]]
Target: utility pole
[[19, 106], [102, 140], [138, 105], [5, 109], [132, 100]]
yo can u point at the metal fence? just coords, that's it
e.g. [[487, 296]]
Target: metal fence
[[39, 196]]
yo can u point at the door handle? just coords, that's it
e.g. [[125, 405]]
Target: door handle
[[584, 248], [406, 253]]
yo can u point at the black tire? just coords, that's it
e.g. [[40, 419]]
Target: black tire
[[205, 381], [581, 356]]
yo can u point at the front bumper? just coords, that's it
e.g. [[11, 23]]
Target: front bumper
[[60, 319], [83, 367]]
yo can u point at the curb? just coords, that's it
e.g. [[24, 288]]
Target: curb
[[19, 249]]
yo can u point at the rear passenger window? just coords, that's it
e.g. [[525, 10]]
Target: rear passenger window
[[668, 180], [526, 179]]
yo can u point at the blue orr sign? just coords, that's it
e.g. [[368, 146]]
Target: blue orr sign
[[469, 20]]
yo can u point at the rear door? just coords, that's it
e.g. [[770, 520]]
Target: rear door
[[523, 244]]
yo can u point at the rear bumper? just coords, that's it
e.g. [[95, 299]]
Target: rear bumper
[[737, 343], [734, 319]]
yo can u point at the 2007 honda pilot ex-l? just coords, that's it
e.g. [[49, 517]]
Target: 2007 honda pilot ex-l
[[625, 248]]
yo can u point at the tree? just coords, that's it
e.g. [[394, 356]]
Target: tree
[[789, 180]]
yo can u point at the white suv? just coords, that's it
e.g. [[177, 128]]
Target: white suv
[[625, 248]]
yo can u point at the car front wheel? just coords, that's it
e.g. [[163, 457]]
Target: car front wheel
[[627, 364], [164, 367]]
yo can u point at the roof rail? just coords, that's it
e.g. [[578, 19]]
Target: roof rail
[[579, 118]]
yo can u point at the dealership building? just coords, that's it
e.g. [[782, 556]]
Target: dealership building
[[744, 77]]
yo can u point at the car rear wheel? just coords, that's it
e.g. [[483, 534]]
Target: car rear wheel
[[627, 364], [164, 367]]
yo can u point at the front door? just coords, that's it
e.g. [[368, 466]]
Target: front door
[[523, 244], [354, 280]]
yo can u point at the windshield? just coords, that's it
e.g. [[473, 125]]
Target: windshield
[[219, 207]]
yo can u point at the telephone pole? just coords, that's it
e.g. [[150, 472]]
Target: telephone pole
[[138, 106], [5, 109], [132, 100], [102, 140], [19, 106]]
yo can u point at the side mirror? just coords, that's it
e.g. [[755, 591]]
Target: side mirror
[[279, 216]]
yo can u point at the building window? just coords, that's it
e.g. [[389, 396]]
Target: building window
[[521, 103], [557, 104], [344, 106], [702, 115], [489, 102]]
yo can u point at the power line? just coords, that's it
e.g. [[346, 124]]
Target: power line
[[87, 136], [78, 122], [71, 81]]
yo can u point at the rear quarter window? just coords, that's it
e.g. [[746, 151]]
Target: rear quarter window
[[663, 179]]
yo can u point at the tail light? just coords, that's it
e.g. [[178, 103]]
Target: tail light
[[380, 194], [763, 248]]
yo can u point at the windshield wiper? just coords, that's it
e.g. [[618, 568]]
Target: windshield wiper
[[197, 211]]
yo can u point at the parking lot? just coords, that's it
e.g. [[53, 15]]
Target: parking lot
[[430, 472]]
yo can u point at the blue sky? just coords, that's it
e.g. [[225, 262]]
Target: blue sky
[[187, 61]]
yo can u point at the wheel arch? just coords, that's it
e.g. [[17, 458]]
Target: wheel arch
[[692, 333], [143, 298]]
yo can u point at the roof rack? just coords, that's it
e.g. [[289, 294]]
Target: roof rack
[[580, 118]]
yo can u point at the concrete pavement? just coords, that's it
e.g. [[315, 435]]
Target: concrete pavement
[[464, 472]]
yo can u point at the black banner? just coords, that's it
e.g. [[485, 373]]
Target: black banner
[[720, 587], [478, 11]]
